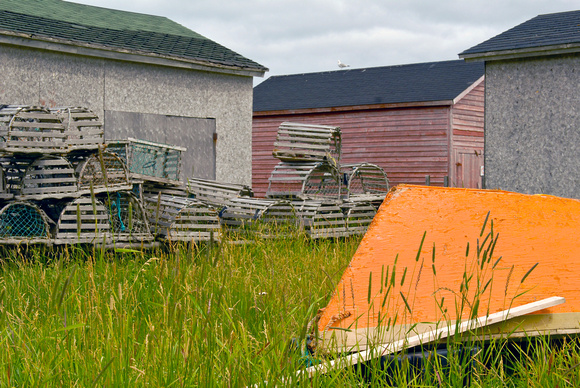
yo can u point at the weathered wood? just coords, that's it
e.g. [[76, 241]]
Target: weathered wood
[[48, 177], [306, 143], [84, 220], [216, 193], [304, 181], [100, 172], [84, 130], [181, 219], [321, 219], [359, 216], [148, 160], [129, 220]]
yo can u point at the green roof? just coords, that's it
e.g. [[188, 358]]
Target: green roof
[[109, 29], [89, 15]]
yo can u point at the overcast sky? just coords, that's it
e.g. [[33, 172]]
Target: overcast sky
[[303, 36]]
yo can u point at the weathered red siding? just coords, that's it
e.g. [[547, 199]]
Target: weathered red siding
[[467, 123], [408, 143]]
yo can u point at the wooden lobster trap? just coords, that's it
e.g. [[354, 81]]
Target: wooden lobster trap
[[321, 219], [31, 129], [266, 217], [129, 222], [84, 130], [100, 172], [5, 193], [358, 216], [181, 219], [304, 181], [23, 221], [148, 160], [297, 142], [365, 182], [83, 220], [48, 177], [216, 193]]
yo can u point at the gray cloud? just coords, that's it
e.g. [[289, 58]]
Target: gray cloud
[[298, 36]]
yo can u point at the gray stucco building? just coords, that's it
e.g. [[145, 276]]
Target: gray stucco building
[[145, 76], [532, 106]]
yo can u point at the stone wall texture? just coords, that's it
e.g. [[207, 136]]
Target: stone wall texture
[[532, 125], [36, 77]]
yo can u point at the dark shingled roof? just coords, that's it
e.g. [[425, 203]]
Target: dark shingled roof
[[115, 30], [420, 82], [544, 30]]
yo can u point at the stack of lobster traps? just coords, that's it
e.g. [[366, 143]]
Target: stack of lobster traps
[[308, 189], [59, 185]]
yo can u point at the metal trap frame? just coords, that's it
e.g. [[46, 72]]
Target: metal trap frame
[[148, 160], [216, 193], [181, 219], [84, 129], [22, 221], [102, 171], [83, 220], [31, 129], [321, 219], [319, 180], [296, 142], [48, 177]]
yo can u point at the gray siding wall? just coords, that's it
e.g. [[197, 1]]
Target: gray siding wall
[[55, 79], [532, 125]]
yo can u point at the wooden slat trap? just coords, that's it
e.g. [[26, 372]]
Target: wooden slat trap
[[148, 160], [84, 220], [216, 193], [102, 171], [154, 188], [365, 182], [358, 216], [5, 193], [31, 129], [297, 142], [48, 177], [304, 181], [128, 218], [84, 130], [321, 219], [267, 217], [181, 219], [22, 221]]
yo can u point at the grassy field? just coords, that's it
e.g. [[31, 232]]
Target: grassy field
[[223, 315]]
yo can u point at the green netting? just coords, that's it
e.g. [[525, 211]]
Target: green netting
[[22, 220]]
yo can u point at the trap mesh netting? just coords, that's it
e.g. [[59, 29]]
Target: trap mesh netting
[[22, 220]]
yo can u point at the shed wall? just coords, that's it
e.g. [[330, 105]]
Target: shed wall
[[54, 79], [532, 117], [408, 143]]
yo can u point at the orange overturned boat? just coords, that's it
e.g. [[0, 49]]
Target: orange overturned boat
[[433, 256]]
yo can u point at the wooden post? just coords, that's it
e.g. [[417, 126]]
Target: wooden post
[[446, 181], [427, 180]]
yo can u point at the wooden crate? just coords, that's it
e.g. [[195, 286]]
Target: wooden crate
[[148, 160], [48, 177], [216, 193], [358, 216], [129, 220], [83, 220], [321, 219], [100, 172], [304, 181], [22, 221], [31, 129], [297, 142], [181, 219], [84, 130]]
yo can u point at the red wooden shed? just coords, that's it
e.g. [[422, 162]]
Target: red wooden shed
[[413, 120]]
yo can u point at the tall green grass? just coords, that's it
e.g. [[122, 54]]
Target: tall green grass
[[206, 315]]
